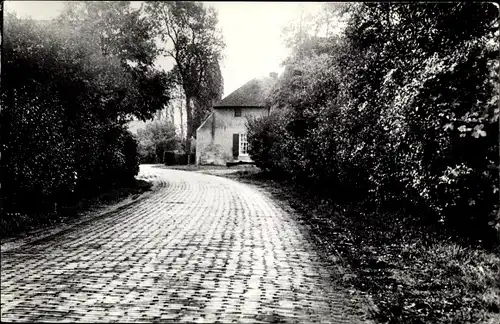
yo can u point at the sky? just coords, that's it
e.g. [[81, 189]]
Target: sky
[[252, 32]]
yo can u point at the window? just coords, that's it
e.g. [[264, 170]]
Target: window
[[243, 144], [237, 112]]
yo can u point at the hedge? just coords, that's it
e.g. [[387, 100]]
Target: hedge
[[378, 115], [60, 140]]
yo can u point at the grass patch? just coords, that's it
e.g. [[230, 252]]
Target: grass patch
[[413, 274], [17, 224]]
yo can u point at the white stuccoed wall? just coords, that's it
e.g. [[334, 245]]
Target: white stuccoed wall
[[218, 149]]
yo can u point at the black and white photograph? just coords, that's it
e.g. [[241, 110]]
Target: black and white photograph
[[250, 162]]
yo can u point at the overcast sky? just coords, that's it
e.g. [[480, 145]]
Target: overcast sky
[[252, 31]]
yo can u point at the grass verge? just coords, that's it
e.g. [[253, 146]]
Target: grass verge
[[412, 274]]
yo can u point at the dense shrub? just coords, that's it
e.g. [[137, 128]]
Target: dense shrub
[[169, 158], [177, 158], [181, 158], [64, 107], [148, 157], [265, 136], [131, 154], [391, 114], [155, 138], [121, 163], [192, 158], [431, 108]]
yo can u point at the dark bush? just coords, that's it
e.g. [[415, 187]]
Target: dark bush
[[131, 154], [266, 138], [192, 158], [148, 158], [177, 158], [181, 159], [384, 117], [157, 137], [169, 158], [62, 129]]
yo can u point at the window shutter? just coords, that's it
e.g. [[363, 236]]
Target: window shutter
[[236, 145]]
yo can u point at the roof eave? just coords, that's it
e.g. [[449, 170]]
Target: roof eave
[[204, 122], [234, 106]]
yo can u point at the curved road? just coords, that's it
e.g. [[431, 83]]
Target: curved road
[[199, 248]]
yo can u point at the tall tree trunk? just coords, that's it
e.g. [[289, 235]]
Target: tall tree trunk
[[172, 113], [181, 110], [189, 126]]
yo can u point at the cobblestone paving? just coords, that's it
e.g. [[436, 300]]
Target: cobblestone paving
[[199, 249]]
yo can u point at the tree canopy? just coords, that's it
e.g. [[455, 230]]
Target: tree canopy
[[70, 84], [189, 30], [121, 32]]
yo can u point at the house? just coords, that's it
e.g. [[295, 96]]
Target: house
[[222, 137]]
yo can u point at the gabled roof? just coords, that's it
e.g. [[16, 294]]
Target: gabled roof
[[251, 94]]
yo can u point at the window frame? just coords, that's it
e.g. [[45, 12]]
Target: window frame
[[237, 112], [242, 144]]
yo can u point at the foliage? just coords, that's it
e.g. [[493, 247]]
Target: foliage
[[427, 103], [123, 33], [155, 139], [412, 274], [328, 22], [64, 106], [174, 158], [195, 43], [212, 88], [394, 114], [169, 158], [264, 138]]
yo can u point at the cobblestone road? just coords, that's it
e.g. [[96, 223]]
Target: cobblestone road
[[200, 248]]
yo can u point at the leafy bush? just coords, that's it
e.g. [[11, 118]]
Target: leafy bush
[[265, 135], [428, 111], [131, 154], [403, 120], [156, 138], [64, 107], [169, 158], [176, 158]]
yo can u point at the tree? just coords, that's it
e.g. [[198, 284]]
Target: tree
[[123, 33], [60, 118], [195, 44], [304, 31], [211, 92], [156, 138], [72, 84]]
